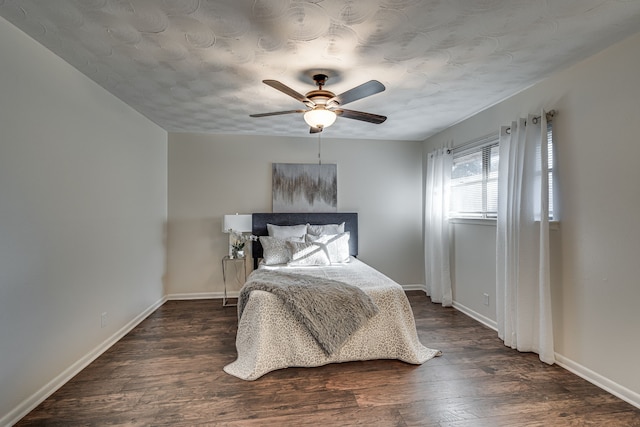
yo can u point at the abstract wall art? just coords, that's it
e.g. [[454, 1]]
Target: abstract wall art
[[302, 187]]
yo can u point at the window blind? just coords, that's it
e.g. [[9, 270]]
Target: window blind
[[474, 182]]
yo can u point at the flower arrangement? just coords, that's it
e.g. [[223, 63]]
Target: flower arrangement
[[238, 241]]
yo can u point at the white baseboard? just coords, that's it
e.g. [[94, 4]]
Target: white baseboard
[[201, 295], [52, 386], [598, 380], [234, 294], [197, 295], [476, 316], [415, 287]]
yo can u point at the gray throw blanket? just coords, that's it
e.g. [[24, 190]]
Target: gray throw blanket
[[330, 310]]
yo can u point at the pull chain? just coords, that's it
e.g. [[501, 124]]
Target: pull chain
[[320, 148]]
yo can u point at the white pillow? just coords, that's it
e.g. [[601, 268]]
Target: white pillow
[[335, 245], [287, 231], [274, 251], [324, 229], [303, 253]]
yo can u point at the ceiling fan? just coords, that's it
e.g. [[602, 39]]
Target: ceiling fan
[[324, 106]]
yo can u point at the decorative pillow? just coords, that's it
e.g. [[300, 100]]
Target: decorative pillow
[[287, 231], [303, 253], [274, 250], [335, 245], [323, 230]]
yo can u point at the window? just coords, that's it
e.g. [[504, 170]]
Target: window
[[550, 163], [474, 182], [550, 171], [474, 179]]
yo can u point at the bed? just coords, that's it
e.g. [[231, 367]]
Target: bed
[[274, 331]]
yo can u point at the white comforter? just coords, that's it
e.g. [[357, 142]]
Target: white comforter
[[269, 338]]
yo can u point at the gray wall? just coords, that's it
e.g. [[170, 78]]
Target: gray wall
[[595, 248], [82, 217], [210, 176]]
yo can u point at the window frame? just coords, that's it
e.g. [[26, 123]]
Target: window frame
[[483, 146]]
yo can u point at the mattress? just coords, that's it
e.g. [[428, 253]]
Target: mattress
[[270, 338]]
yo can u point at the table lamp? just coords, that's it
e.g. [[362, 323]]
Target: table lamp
[[235, 223]]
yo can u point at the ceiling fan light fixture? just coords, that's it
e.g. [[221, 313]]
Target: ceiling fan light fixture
[[324, 106], [320, 117]]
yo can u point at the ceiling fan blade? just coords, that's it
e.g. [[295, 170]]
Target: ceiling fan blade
[[314, 129], [276, 113], [365, 89], [360, 115], [287, 90]]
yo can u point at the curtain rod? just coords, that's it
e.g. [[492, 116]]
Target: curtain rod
[[549, 116], [487, 138], [478, 141]]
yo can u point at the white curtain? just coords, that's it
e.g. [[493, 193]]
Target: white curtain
[[436, 227], [522, 268]]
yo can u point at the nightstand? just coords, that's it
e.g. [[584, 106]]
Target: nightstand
[[234, 271]]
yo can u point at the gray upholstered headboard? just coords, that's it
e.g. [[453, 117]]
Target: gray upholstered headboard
[[260, 221]]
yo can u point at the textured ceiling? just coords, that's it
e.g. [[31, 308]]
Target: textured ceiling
[[197, 65]]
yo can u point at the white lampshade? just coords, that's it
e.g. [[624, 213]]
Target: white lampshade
[[319, 117], [239, 223]]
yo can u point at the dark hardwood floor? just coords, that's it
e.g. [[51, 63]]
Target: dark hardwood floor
[[168, 372]]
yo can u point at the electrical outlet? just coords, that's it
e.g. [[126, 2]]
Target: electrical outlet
[[103, 319], [485, 297]]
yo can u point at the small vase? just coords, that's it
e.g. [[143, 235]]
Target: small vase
[[240, 254]]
